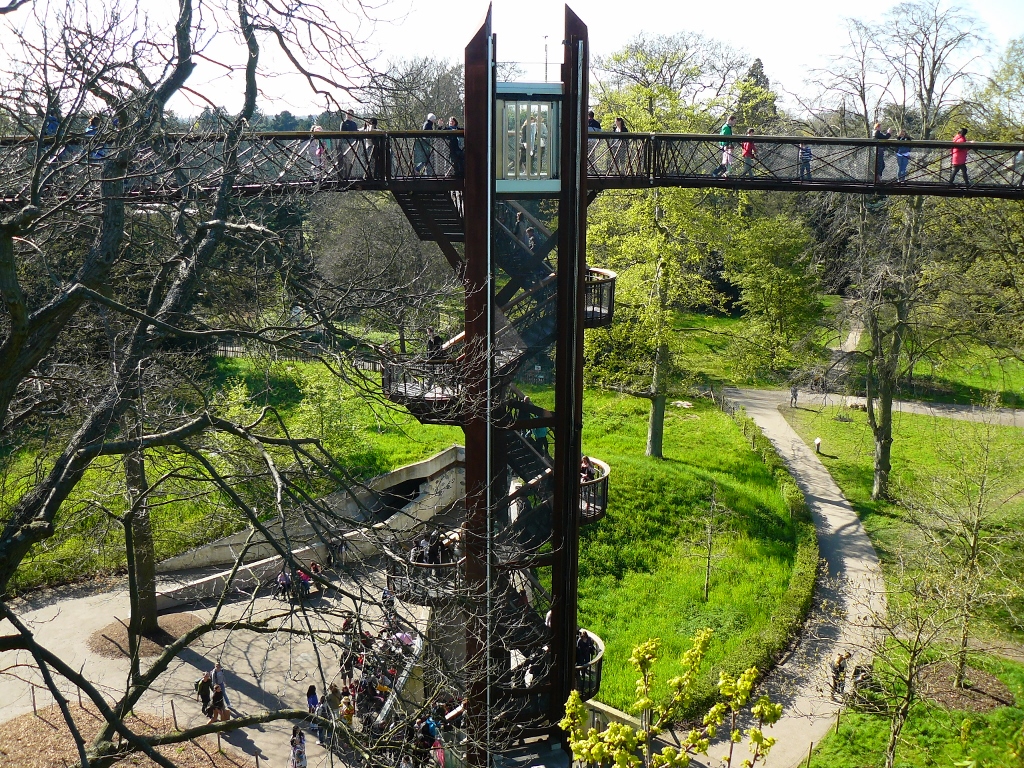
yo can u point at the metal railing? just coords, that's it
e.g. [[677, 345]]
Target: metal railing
[[624, 160], [594, 493], [174, 165], [599, 297], [425, 583], [432, 389], [588, 675]]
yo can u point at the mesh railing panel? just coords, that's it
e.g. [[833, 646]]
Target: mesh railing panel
[[815, 162], [175, 165]]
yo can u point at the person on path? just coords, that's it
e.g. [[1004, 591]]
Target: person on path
[[204, 690], [726, 147], [804, 156], [298, 748], [880, 134], [793, 392], [372, 157], [312, 702], [620, 148], [217, 674], [348, 667], [585, 648], [592, 125], [347, 711], [959, 157], [540, 439], [902, 156], [749, 150], [838, 668], [218, 710], [435, 344], [455, 150]]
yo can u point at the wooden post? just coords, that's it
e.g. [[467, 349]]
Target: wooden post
[[809, 750], [34, 712], [257, 760], [219, 749], [174, 716], [838, 712]]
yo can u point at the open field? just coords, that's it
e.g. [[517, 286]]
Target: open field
[[640, 575], [921, 454]]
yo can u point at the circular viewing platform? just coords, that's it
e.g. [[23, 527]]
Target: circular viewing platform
[[425, 583], [430, 388], [588, 671], [594, 493], [599, 297]]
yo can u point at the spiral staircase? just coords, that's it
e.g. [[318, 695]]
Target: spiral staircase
[[434, 389]]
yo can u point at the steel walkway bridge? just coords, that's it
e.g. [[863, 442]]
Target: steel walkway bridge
[[428, 163]]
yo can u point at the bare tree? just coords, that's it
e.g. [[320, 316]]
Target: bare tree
[[967, 539], [916, 64], [127, 256]]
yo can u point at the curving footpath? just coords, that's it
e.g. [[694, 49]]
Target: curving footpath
[[801, 682]]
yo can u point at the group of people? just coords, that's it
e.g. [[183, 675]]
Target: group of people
[[212, 693], [286, 589]]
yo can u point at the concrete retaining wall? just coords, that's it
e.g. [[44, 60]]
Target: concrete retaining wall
[[442, 488], [444, 483]]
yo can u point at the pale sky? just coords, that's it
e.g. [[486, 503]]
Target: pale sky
[[790, 36]]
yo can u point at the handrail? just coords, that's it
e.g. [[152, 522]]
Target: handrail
[[594, 493], [600, 275], [822, 140]]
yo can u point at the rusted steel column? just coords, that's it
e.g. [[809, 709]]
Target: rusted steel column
[[479, 192], [572, 248]]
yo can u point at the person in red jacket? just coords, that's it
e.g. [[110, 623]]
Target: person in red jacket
[[749, 153], [959, 156]]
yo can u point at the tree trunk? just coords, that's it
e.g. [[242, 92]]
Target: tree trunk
[[144, 614], [899, 719], [707, 563], [656, 427]]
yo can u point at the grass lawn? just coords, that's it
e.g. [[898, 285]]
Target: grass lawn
[[934, 736], [369, 439], [973, 377], [638, 574], [920, 453]]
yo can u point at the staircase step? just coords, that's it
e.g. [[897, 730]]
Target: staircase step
[[431, 214]]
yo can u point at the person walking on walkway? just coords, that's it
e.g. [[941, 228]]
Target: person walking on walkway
[[793, 392], [217, 675], [423, 149], [726, 147], [218, 706], [204, 690], [749, 150], [348, 146], [804, 155], [838, 668], [959, 157], [880, 134], [902, 156], [298, 748]]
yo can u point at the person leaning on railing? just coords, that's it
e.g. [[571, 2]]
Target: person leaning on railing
[[902, 156]]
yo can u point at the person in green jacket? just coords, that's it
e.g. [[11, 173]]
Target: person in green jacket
[[723, 169]]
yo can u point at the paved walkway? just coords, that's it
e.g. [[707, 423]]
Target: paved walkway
[[802, 682], [1007, 416], [264, 671]]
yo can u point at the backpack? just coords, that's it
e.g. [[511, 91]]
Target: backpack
[[195, 685]]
